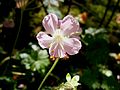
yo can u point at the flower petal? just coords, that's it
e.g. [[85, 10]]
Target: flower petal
[[72, 46], [75, 35], [44, 40], [69, 25], [56, 50], [50, 23]]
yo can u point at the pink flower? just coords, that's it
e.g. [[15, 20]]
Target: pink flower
[[21, 3], [61, 36]]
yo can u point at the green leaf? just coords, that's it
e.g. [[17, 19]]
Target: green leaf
[[68, 77], [76, 78]]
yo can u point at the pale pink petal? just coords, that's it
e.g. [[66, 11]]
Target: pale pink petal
[[44, 40], [72, 46], [69, 25], [79, 30], [50, 23], [75, 36], [56, 50]]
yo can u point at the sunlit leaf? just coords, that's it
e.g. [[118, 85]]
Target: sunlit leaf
[[68, 77]]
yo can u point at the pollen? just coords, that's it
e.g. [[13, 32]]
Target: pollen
[[52, 57], [66, 57], [52, 51]]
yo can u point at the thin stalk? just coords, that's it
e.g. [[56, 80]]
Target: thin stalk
[[85, 8], [45, 9], [113, 12], [69, 6], [29, 2], [32, 8], [51, 69], [22, 10], [107, 8], [19, 29]]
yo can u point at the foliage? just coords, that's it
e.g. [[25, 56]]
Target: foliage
[[36, 59], [71, 83], [23, 63]]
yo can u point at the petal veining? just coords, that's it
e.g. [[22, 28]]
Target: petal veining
[[61, 36], [72, 46], [69, 25], [57, 50], [44, 40], [50, 23]]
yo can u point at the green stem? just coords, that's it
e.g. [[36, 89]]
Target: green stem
[[33, 8], [21, 17], [29, 2], [51, 69]]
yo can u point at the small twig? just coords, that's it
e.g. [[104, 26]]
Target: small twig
[[29, 3], [6, 59], [69, 6], [18, 30], [85, 8], [113, 12], [15, 42], [107, 8], [45, 9], [33, 8]]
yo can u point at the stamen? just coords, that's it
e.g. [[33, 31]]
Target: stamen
[[66, 57], [52, 57], [52, 51], [58, 35]]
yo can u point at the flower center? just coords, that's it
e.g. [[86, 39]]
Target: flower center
[[58, 35]]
